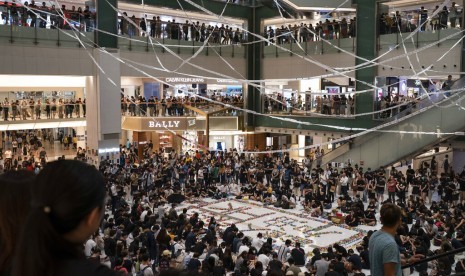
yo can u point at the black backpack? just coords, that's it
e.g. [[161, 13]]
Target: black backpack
[[142, 271], [460, 266]]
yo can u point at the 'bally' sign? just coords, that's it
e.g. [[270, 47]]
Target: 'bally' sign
[[164, 124]]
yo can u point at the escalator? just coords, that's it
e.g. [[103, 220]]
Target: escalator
[[377, 149]]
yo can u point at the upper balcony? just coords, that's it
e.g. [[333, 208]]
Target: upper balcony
[[180, 109], [31, 114]]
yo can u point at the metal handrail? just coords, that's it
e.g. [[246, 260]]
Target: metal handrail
[[435, 257]]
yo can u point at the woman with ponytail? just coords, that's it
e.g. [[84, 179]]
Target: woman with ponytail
[[67, 205], [15, 195]]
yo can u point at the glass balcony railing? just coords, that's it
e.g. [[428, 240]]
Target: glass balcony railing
[[179, 109], [291, 46], [419, 39], [20, 35], [333, 106], [39, 111]]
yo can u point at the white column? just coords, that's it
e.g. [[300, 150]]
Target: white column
[[103, 107], [81, 137]]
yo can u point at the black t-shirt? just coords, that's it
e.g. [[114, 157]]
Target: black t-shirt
[[79, 267], [298, 254], [193, 265], [360, 184], [275, 265]]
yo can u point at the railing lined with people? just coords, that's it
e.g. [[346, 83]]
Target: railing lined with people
[[303, 33], [49, 17], [448, 17], [38, 109], [310, 105], [172, 106], [187, 31]]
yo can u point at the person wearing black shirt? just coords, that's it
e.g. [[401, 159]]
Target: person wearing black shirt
[[275, 265], [462, 185], [298, 254], [331, 269], [410, 175], [194, 264], [355, 260], [364, 256], [191, 239]]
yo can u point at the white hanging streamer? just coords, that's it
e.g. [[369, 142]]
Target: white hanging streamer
[[201, 97]]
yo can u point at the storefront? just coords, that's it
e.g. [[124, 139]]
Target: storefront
[[306, 93], [396, 90], [182, 87], [183, 133]]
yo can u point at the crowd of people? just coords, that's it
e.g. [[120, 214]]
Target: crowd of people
[[144, 232], [26, 149], [448, 17], [51, 17], [36, 109], [326, 104], [171, 106], [187, 31], [388, 103], [302, 33], [140, 194], [43, 16]]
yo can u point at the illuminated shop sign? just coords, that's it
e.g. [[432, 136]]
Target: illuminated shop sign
[[170, 124], [226, 81], [185, 80]]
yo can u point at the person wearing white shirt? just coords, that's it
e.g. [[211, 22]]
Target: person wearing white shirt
[[129, 239], [8, 154], [258, 242], [90, 243], [145, 266], [114, 192], [344, 181], [242, 249], [264, 259], [144, 213]]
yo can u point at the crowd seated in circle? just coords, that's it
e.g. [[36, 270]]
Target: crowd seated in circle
[[142, 232]]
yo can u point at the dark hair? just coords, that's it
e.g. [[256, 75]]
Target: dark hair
[[291, 261], [390, 214], [15, 196], [64, 194]]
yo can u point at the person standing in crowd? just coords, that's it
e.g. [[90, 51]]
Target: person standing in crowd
[[60, 220], [384, 253], [423, 15], [6, 109], [453, 15], [15, 196], [447, 86]]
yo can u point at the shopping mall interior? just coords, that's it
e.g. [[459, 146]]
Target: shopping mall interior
[[367, 89]]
